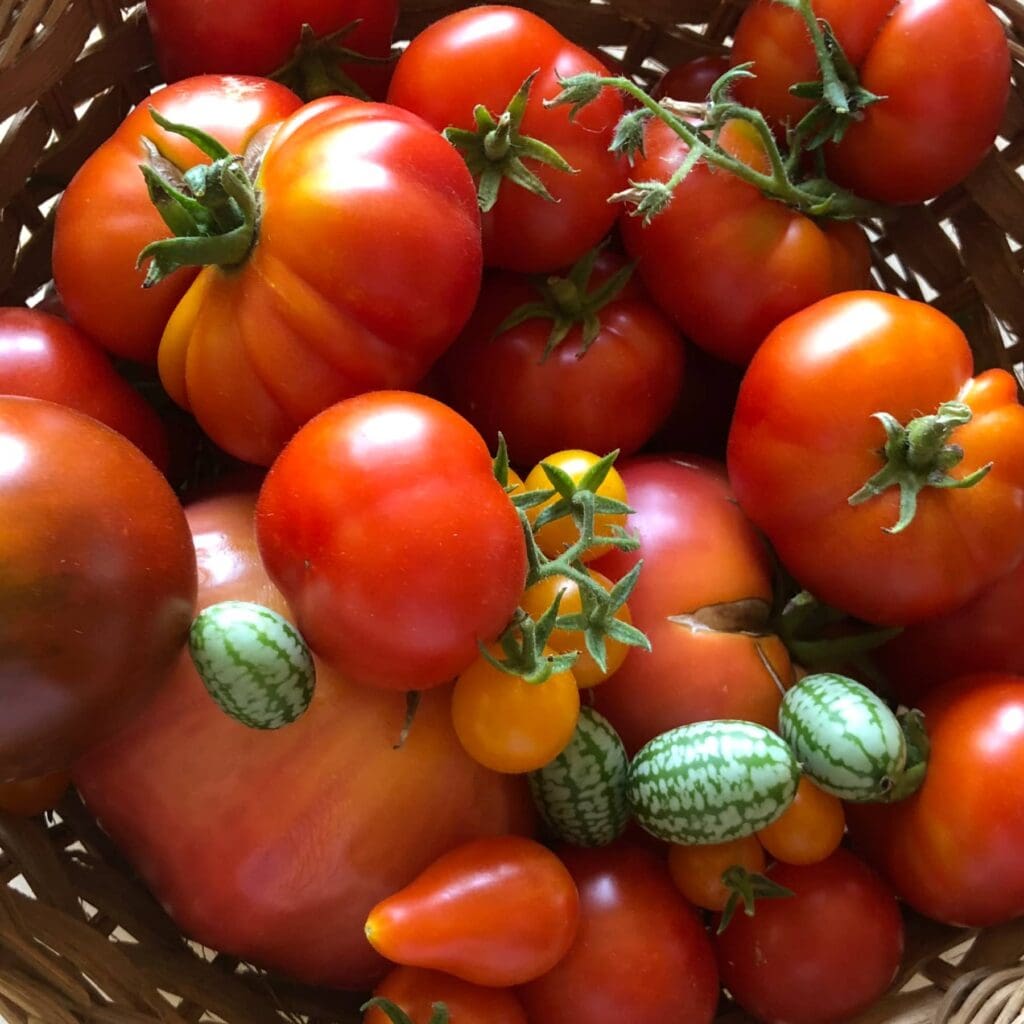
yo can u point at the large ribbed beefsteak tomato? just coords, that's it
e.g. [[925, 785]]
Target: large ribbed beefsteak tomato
[[275, 846]]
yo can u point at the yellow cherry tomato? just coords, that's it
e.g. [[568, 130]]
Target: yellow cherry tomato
[[697, 870], [510, 725], [810, 830], [586, 671], [557, 537]]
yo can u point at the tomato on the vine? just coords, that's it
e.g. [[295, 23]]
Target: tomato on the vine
[[585, 670], [641, 953], [105, 217], [496, 911], [810, 829], [556, 537], [97, 588], [820, 955], [953, 849], [547, 382], [886, 529], [394, 544], [697, 870], [726, 262], [483, 56], [415, 990], [936, 118], [42, 356], [509, 724], [691, 80], [259, 37]]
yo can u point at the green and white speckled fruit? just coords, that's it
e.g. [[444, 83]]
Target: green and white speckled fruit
[[582, 793], [844, 736], [711, 782], [253, 662]]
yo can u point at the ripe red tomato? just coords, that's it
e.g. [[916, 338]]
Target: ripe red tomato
[[502, 381], [953, 850], [326, 816], [193, 37], [367, 266], [819, 956], [691, 80], [97, 588], [392, 541], [702, 561], [806, 411], [497, 911], [29, 797], [483, 55], [42, 356], [415, 991], [105, 217], [932, 127], [641, 953], [983, 635], [726, 263]]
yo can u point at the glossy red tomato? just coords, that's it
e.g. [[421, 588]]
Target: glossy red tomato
[[392, 541], [364, 265], [482, 55], [195, 37], [415, 991], [983, 635], [933, 126], [105, 217], [42, 356], [807, 412], [691, 80], [497, 911], [953, 850], [819, 956], [326, 816], [97, 588], [641, 953], [727, 263], [545, 403], [702, 599]]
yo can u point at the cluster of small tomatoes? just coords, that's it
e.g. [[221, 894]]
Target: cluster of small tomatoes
[[497, 241]]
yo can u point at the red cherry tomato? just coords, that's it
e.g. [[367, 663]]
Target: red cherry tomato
[[819, 956], [42, 356], [389, 536], [483, 55], [692, 80], [641, 953], [416, 990], [498, 911]]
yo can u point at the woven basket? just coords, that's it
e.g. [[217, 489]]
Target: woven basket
[[80, 939]]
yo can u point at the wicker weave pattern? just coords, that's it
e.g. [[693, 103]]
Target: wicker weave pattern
[[69, 71]]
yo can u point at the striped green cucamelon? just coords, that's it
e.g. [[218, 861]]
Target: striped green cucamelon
[[582, 793], [844, 736], [253, 662], [712, 781]]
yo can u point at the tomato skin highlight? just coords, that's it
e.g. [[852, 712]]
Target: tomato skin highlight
[[944, 847], [415, 990], [499, 911], [939, 116], [42, 356], [366, 268], [726, 263], [193, 37], [105, 217], [327, 817], [807, 406], [641, 953], [819, 956], [98, 584], [482, 55], [356, 501]]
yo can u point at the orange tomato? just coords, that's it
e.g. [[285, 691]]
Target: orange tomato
[[697, 870], [415, 991], [809, 831]]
